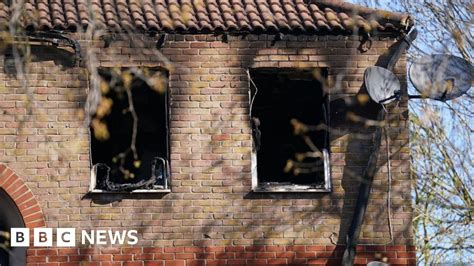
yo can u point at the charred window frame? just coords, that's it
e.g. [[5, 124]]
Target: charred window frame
[[289, 114], [115, 167]]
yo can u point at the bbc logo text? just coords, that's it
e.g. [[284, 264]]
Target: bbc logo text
[[66, 237]]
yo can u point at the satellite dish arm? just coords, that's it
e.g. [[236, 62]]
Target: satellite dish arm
[[407, 40]]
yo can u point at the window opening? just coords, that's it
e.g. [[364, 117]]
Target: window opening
[[289, 121], [129, 131]]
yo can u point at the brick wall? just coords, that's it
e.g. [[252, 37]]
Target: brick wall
[[44, 139], [220, 255]]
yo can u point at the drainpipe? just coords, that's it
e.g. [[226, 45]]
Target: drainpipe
[[366, 184]]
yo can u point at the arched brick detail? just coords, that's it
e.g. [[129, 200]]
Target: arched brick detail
[[23, 197]]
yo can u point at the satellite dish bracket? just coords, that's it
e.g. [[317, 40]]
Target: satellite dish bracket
[[415, 96], [396, 95], [403, 46], [411, 36]]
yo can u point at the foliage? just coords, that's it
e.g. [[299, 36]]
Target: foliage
[[441, 137]]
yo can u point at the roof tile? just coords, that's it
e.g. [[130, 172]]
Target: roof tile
[[259, 16]]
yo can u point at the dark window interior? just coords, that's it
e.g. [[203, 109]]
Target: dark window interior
[[283, 95], [10, 217], [3, 252], [151, 139]]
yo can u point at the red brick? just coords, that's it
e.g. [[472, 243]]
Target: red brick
[[375, 248], [22, 189], [132, 263], [298, 262], [144, 256], [305, 254], [389, 254], [296, 248], [174, 250], [34, 224], [324, 254], [225, 255], [57, 258], [257, 262], [235, 249], [31, 252], [274, 248], [132, 250], [205, 255], [396, 248], [2, 168], [236, 262], [163, 256], [360, 261], [255, 248], [265, 255], [7, 177], [288, 254], [154, 263], [90, 263], [184, 256], [315, 248], [319, 261], [48, 252], [195, 262], [110, 250], [79, 258], [12, 187], [152, 250], [175, 263], [122, 257], [87, 251], [110, 263], [406, 254], [36, 258], [215, 249], [97, 257]]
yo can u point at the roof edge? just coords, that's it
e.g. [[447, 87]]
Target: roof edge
[[403, 19]]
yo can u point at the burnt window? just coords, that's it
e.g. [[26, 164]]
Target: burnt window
[[289, 128], [129, 131]]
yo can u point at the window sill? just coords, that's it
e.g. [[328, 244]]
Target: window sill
[[289, 188], [136, 191]]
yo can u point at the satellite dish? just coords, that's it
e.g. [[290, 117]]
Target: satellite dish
[[441, 77], [382, 85]]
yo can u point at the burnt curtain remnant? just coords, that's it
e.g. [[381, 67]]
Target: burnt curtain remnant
[[117, 167], [289, 106]]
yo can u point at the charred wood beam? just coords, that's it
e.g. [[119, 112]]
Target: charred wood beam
[[56, 39]]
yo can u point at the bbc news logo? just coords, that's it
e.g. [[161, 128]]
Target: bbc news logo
[[66, 237]]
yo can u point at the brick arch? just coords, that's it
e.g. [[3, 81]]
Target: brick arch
[[23, 197]]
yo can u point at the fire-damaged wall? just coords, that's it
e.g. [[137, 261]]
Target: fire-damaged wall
[[211, 215]]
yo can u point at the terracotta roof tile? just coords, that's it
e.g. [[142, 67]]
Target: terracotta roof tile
[[82, 13], [259, 16]]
